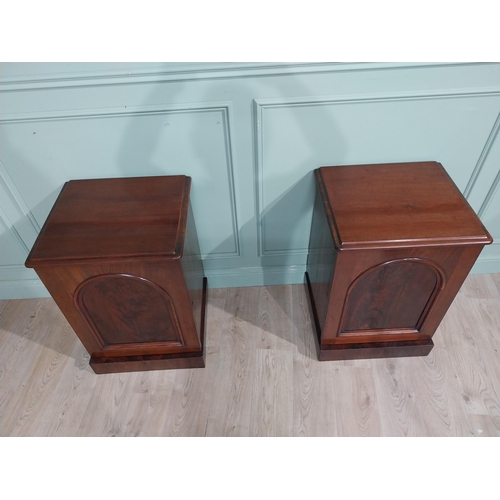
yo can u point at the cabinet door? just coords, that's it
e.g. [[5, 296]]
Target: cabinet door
[[124, 310], [392, 297]]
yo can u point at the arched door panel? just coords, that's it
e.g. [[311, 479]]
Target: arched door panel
[[124, 309], [392, 297]]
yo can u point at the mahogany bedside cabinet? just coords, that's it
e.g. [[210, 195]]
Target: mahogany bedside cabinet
[[390, 247], [120, 257]]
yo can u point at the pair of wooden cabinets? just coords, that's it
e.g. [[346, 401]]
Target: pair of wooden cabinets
[[390, 247]]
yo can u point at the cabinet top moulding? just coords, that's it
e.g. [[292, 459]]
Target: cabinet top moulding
[[114, 219], [397, 205]]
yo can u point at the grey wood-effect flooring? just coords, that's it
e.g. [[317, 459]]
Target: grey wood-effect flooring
[[262, 377]]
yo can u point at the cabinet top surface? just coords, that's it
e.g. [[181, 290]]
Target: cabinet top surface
[[398, 204], [115, 219]]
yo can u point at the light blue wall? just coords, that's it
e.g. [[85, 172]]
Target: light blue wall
[[249, 135]]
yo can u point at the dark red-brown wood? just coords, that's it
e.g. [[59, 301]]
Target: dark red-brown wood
[[390, 246], [121, 259]]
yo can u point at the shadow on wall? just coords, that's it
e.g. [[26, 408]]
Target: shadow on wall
[[275, 308], [274, 232], [275, 237]]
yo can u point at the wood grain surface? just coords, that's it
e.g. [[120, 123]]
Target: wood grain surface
[[116, 218], [121, 259], [411, 202], [404, 240], [262, 377]]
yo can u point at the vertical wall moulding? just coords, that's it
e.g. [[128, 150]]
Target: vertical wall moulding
[[490, 195], [15, 280], [228, 137], [21, 207], [482, 158], [10, 227]]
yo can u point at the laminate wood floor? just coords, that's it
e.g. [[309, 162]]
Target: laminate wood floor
[[262, 377]]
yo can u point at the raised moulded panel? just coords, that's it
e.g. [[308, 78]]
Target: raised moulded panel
[[43, 151], [294, 137], [123, 309], [392, 297]]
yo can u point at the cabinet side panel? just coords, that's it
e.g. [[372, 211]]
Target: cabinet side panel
[[321, 260], [457, 263], [61, 282], [192, 267]]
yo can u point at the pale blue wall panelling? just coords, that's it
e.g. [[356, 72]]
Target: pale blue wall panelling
[[128, 143], [249, 136]]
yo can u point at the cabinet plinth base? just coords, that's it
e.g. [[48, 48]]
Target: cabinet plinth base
[[376, 350], [102, 364]]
